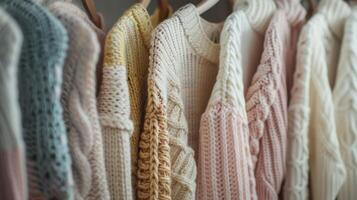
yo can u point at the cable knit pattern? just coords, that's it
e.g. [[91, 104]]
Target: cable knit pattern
[[345, 102], [182, 72], [40, 70], [79, 103], [12, 155], [267, 102], [225, 169], [317, 53]]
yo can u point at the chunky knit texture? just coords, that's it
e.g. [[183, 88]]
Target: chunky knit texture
[[312, 127], [267, 100], [225, 169], [40, 69], [345, 99], [183, 68], [127, 48], [79, 103], [12, 156]]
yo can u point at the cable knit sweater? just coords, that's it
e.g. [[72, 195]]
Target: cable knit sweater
[[267, 103], [183, 68], [40, 68], [312, 127], [12, 155], [125, 70], [267, 99], [79, 103], [345, 99]]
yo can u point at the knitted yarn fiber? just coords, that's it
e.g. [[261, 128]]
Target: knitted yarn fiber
[[267, 100], [12, 156], [79, 102], [40, 71], [313, 128], [182, 72], [225, 169], [345, 98], [127, 47]]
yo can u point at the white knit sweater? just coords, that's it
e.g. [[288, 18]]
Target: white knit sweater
[[312, 129], [345, 101]]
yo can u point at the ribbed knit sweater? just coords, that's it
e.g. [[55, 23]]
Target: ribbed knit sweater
[[267, 99], [315, 154], [122, 97], [127, 53], [183, 67], [78, 99], [39, 79], [12, 156], [225, 169], [345, 99]]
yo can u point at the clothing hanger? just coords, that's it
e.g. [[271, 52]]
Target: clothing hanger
[[205, 5], [92, 12], [162, 4]]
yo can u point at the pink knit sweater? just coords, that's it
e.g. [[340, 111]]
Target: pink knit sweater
[[267, 100]]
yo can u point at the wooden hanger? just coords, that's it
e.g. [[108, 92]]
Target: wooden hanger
[[163, 6], [92, 12], [205, 5]]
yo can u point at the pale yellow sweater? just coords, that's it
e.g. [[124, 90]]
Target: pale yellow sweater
[[123, 95]]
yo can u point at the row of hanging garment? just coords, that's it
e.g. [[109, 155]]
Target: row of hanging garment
[[171, 106]]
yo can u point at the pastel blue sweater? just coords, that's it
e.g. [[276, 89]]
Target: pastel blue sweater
[[39, 81]]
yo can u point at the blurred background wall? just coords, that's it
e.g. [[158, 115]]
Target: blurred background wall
[[113, 9]]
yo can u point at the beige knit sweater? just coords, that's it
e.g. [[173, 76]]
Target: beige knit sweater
[[79, 104], [183, 70]]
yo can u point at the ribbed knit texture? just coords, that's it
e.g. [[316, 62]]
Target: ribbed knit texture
[[225, 169], [183, 68], [79, 102], [312, 127], [267, 100], [345, 98], [127, 47], [39, 79], [12, 156]]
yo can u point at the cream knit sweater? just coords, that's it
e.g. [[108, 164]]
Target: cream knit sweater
[[345, 101], [79, 103], [183, 69], [312, 131]]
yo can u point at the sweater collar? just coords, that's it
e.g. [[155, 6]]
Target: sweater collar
[[196, 29], [259, 12], [335, 13]]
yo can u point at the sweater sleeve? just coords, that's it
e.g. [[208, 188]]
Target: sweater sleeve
[[154, 166], [225, 169], [297, 166], [114, 114]]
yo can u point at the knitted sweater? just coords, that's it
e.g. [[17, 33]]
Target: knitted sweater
[[225, 169], [79, 102], [183, 68], [345, 98], [267, 99], [40, 68], [312, 127], [12, 155], [125, 67]]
